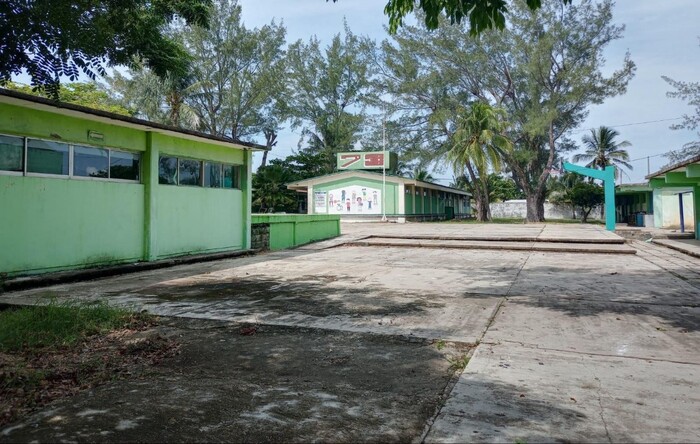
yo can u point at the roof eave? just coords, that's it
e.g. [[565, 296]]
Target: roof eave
[[120, 120]]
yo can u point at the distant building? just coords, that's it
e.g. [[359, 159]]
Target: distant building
[[359, 192]]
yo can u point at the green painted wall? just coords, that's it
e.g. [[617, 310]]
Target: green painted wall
[[50, 224], [288, 231], [391, 198], [408, 200], [195, 219], [21, 121]]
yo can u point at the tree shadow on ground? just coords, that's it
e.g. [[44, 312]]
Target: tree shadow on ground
[[309, 295], [582, 292]]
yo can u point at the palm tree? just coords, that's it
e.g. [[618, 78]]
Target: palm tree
[[602, 150], [421, 175], [270, 192], [479, 144]]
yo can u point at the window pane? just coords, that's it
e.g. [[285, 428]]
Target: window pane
[[212, 175], [231, 176], [47, 157], [190, 172], [124, 165], [167, 170], [90, 162], [11, 153]]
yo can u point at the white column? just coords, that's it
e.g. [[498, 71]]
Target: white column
[[401, 210], [310, 200]]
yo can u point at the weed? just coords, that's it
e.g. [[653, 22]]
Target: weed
[[440, 344], [458, 363], [58, 324]]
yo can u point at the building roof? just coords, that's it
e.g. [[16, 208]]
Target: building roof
[[44, 104], [632, 187], [677, 167], [301, 185]]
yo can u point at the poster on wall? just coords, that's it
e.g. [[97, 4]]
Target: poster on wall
[[355, 199], [319, 201]]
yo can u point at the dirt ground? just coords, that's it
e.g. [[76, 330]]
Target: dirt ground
[[261, 384]]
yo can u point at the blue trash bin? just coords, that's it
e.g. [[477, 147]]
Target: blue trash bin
[[640, 219]]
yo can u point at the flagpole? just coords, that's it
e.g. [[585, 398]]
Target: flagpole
[[384, 168]]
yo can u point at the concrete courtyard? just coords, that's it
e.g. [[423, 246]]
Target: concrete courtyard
[[573, 335]]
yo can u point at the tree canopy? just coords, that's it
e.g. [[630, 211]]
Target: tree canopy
[[690, 92], [601, 150], [545, 69], [482, 14], [54, 38], [85, 94]]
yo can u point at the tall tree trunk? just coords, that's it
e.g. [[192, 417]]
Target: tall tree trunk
[[481, 196], [270, 141], [535, 207]]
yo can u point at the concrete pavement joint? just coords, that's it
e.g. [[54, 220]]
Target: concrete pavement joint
[[574, 352], [450, 386]]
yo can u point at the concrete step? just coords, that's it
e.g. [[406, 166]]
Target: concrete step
[[690, 247], [519, 245], [491, 238]]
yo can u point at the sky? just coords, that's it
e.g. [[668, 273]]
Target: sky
[[661, 36]]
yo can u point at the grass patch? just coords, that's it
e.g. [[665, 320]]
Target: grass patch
[[56, 350], [57, 324]]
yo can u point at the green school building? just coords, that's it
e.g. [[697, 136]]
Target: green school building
[[366, 194], [82, 187]]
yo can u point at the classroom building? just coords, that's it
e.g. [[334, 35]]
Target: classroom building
[[81, 187], [361, 191]]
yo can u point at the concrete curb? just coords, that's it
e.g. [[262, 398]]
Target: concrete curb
[[62, 277], [519, 246], [675, 247], [611, 241]]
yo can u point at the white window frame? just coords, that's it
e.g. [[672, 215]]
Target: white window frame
[[71, 152], [239, 166]]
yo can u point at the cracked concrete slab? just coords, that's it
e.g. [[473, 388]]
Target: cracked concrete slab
[[393, 291], [510, 393]]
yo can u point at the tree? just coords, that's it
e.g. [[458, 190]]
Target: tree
[[502, 188], [270, 191], [421, 175], [545, 70], [601, 150], [478, 146], [690, 92], [233, 87], [84, 94], [54, 38], [239, 73], [158, 99], [329, 91], [483, 15], [586, 196]]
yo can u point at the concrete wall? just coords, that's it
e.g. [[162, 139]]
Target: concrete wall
[[667, 208], [517, 209], [56, 223], [290, 230]]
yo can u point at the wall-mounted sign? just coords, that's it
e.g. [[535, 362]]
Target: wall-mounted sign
[[320, 202], [94, 135], [367, 160]]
